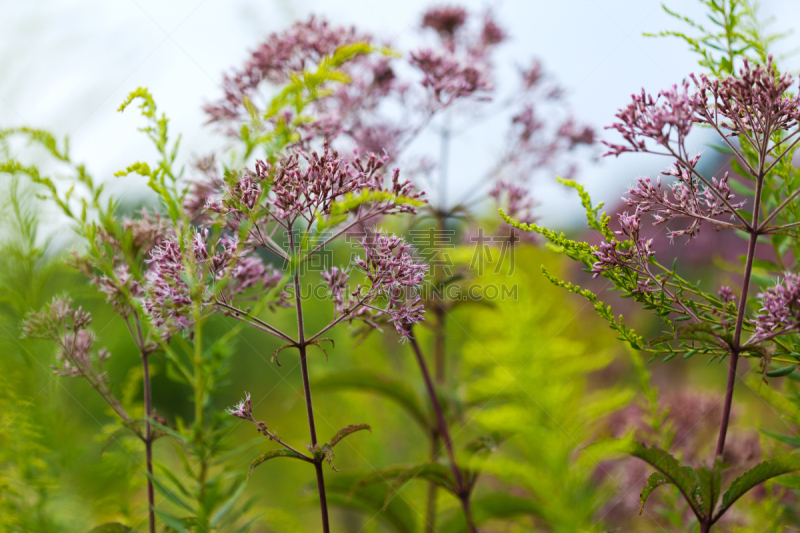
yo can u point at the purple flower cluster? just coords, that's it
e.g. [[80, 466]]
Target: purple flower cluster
[[689, 198], [668, 117], [538, 141], [337, 278], [235, 202], [634, 253], [460, 67], [68, 328], [306, 186], [168, 294], [450, 77], [139, 235], [446, 20], [754, 105], [243, 409], [297, 48], [393, 273], [725, 294], [781, 308], [515, 199]]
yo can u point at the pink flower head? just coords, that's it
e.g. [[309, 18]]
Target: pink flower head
[[446, 20], [636, 254], [515, 198], [309, 190], [388, 263], [336, 278], [668, 117], [167, 299], [491, 33], [450, 77], [757, 103], [404, 314], [533, 74], [68, 328], [726, 294], [781, 307], [690, 198], [393, 273], [167, 294], [243, 409], [291, 51]]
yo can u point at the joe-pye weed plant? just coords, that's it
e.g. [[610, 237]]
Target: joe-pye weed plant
[[165, 276], [452, 88], [749, 104]]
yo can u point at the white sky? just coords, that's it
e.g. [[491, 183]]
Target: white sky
[[67, 64]]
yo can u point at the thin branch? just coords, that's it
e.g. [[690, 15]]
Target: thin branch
[[238, 314], [709, 186]]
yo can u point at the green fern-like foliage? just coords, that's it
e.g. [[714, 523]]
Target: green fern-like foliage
[[732, 31]]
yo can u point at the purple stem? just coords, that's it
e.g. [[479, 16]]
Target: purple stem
[[148, 440], [737, 334], [462, 489], [301, 341]]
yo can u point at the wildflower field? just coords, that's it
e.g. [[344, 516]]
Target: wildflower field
[[331, 319]]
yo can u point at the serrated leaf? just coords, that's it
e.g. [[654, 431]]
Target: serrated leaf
[[273, 454], [655, 480], [709, 483], [682, 477], [349, 430], [755, 476]]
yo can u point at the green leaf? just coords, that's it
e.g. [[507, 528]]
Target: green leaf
[[368, 381], [397, 476], [709, 481], [789, 481], [344, 432], [791, 441], [178, 525], [755, 476], [169, 494], [111, 527], [485, 443], [780, 372], [655, 480], [373, 501], [227, 506], [682, 477], [491, 507], [272, 454]]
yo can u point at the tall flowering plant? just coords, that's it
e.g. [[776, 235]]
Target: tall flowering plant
[[166, 272], [114, 264], [444, 87], [310, 193], [756, 118]]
